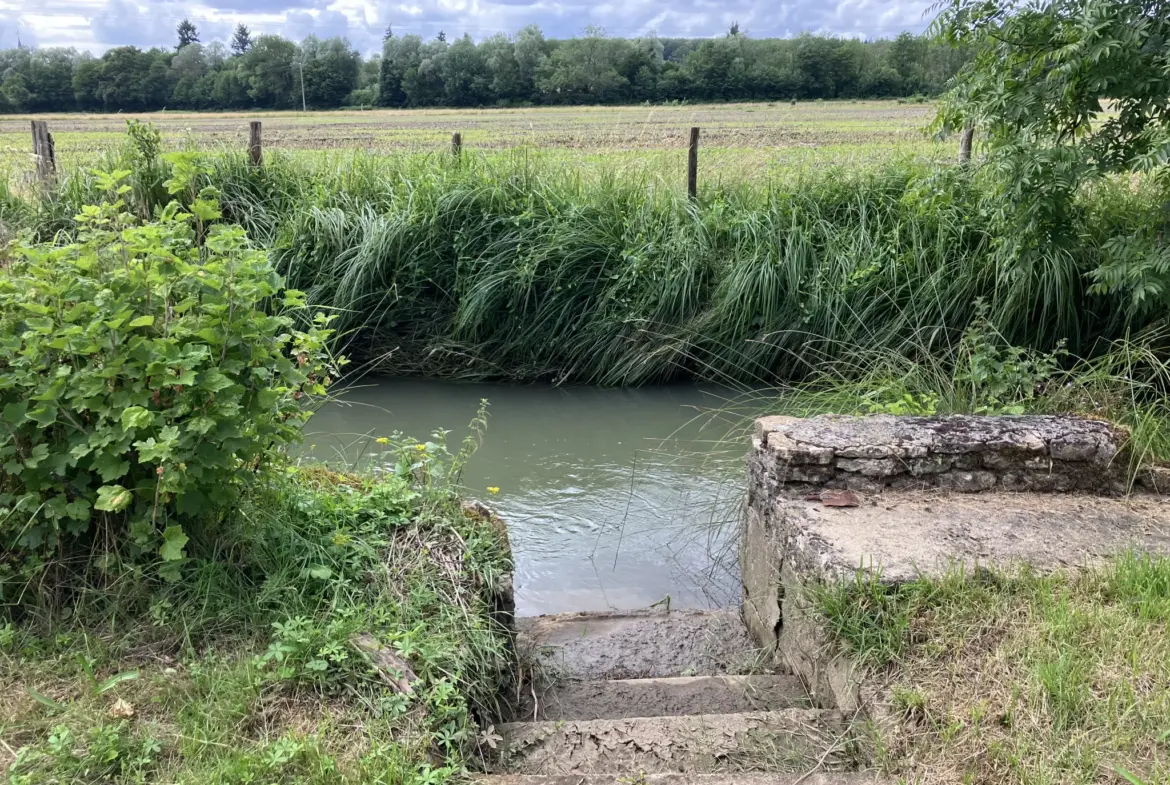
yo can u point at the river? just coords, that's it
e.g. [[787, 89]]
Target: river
[[613, 498]]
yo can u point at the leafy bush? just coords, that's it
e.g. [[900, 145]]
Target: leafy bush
[[145, 369]]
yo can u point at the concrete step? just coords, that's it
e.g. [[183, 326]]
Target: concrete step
[[664, 697], [722, 778], [788, 740], [593, 646]]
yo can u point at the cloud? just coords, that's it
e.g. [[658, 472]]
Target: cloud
[[15, 30], [148, 23], [127, 23]]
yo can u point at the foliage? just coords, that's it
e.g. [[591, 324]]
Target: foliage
[[1000, 378], [145, 369], [264, 71], [265, 638], [1066, 93], [515, 269]]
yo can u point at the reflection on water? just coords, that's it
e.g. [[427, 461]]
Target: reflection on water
[[613, 498]]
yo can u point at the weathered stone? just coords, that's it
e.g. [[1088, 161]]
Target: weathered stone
[[967, 461], [760, 550], [877, 467], [885, 452], [935, 464], [968, 482], [791, 452], [798, 473], [873, 451], [1074, 447]]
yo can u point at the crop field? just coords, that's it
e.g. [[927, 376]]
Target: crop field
[[737, 139]]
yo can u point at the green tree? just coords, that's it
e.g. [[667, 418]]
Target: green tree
[[14, 89], [1064, 93], [241, 40], [907, 57], [87, 77], [187, 33], [268, 69], [330, 71], [188, 67], [400, 56], [465, 74]]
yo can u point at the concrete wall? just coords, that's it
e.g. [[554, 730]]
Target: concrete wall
[[901, 497]]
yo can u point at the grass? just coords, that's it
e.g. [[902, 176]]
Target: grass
[[247, 671], [515, 267], [753, 133], [1018, 678]]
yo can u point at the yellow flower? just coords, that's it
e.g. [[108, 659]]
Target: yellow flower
[[420, 447], [493, 490], [382, 440]]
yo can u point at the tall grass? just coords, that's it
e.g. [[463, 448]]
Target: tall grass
[[517, 268]]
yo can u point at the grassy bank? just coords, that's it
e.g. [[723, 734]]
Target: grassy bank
[[1018, 679], [179, 601], [249, 671], [517, 268]]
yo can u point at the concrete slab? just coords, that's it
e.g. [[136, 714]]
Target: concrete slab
[[635, 644], [789, 740], [623, 698], [904, 535]]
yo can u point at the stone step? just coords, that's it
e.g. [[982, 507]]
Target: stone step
[[594, 646], [664, 697], [722, 778], [788, 740]]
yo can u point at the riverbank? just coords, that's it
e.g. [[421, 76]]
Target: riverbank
[[258, 666], [516, 268]]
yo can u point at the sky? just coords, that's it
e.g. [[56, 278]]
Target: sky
[[97, 25]]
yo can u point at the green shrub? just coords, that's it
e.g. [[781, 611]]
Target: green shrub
[[145, 369]]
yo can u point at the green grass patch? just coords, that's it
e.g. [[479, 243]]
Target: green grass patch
[[247, 671], [1016, 677]]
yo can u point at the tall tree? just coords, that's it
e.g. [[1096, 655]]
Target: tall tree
[[1065, 93], [241, 40], [187, 33]]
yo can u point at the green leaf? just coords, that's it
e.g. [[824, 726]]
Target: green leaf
[[142, 321], [136, 417], [45, 700], [110, 466], [320, 572], [43, 415], [113, 498], [115, 680], [15, 412], [173, 542], [214, 381]]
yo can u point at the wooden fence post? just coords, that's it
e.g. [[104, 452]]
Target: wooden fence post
[[44, 151], [693, 166], [254, 146], [456, 144], [965, 141]]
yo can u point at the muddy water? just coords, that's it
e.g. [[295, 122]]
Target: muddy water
[[614, 498]]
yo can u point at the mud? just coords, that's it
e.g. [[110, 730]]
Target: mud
[[626, 698], [735, 778], [670, 744], [635, 644]]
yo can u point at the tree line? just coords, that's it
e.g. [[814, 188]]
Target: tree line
[[272, 72]]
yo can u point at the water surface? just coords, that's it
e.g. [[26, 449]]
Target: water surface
[[613, 498]]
